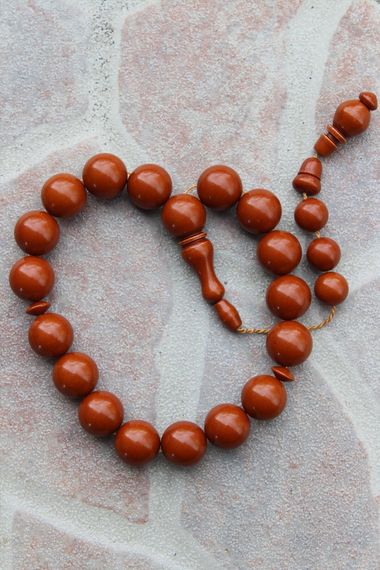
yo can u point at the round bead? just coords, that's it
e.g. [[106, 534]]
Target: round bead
[[219, 187], [279, 252], [288, 297], [31, 278], [331, 288], [263, 397], [323, 253], [101, 413], [75, 375], [311, 214], [259, 211], [183, 215], [63, 195], [289, 343], [149, 186], [227, 426], [36, 233], [137, 442], [50, 335], [184, 443], [105, 176]]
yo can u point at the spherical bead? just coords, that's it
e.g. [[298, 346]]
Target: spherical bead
[[323, 253], [137, 442], [50, 335], [149, 186], [183, 215], [184, 443], [36, 233], [311, 214], [279, 252], [31, 278], [75, 375], [289, 343], [105, 175], [331, 288], [263, 397], [258, 211], [101, 413], [63, 195], [288, 297], [227, 426], [219, 187]]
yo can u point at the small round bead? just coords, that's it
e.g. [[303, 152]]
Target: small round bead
[[184, 443], [101, 413], [263, 397], [311, 214], [50, 335], [219, 187], [323, 253], [31, 278], [137, 442], [288, 297], [331, 288], [63, 195], [259, 211], [227, 426], [75, 375], [279, 252], [149, 186], [105, 175], [36, 232], [183, 215], [289, 343]]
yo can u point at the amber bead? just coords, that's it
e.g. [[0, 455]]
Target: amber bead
[[308, 179], [101, 413], [183, 443], [105, 175], [323, 253], [38, 308], [331, 288], [282, 373], [219, 187], [199, 254], [227, 426], [63, 195], [75, 374], [228, 314], [288, 297], [183, 215], [289, 343], [36, 232], [31, 278], [263, 397], [279, 252], [137, 442], [311, 214], [50, 335], [258, 211], [149, 186]]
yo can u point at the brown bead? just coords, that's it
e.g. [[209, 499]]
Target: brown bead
[[279, 252], [101, 413], [258, 211], [227, 426], [36, 232], [184, 443], [331, 288], [183, 215], [228, 314], [137, 442], [199, 254], [63, 195], [282, 373], [323, 253], [50, 335], [289, 343], [31, 278], [105, 175], [38, 308], [75, 374], [308, 179], [288, 297], [311, 214], [219, 187], [149, 186], [263, 397]]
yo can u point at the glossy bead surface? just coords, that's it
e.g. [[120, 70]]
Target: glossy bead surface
[[183, 215], [323, 253], [258, 211], [228, 314], [75, 374], [288, 297], [137, 442], [263, 397], [308, 179], [199, 254], [183, 443], [50, 335], [219, 187], [36, 232], [101, 413], [227, 426], [149, 186], [63, 195], [38, 308], [31, 278], [279, 252], [311, 214], [331, 288], [289, 343], [105, 175], [282, 373]]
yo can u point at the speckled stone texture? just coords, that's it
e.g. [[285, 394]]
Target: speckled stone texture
[[187, 84]]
